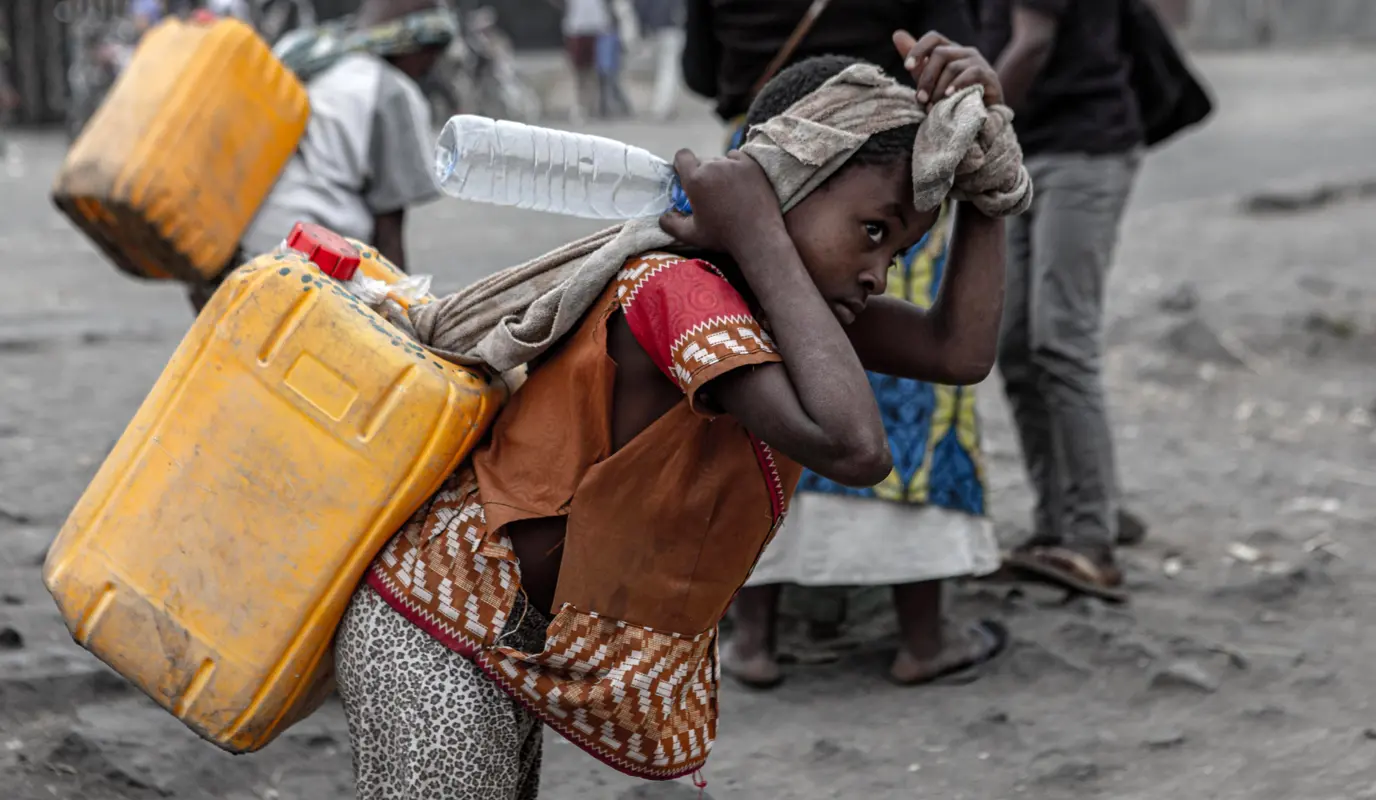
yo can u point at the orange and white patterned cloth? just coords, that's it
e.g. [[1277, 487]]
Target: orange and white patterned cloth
[[629, 670]]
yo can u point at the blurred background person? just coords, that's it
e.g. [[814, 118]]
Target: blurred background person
[[584, 21], [661, 29], [1093, 85], [1066, 74], [365, 156], [612, 44], [145, 14]]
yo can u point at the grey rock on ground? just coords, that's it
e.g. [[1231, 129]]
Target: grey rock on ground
[[1185, 675]]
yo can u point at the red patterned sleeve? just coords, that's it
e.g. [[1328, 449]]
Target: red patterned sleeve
[[691, 321]]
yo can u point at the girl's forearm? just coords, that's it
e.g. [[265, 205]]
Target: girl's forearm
[[969, 306], [822, 365]]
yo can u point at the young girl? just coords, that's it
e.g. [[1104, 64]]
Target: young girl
[[632, 482], [927, 516]]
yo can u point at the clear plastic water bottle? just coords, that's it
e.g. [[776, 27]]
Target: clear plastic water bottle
[[513, 164]]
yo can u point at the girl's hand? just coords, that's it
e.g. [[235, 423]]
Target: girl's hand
[[941, 68], [734, 206]]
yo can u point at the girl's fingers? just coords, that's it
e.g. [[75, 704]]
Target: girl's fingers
[[903, 42], [931, 72], [916, 53], [972, 76], [940, 67], [946, 85], [686, 164], [679, 226]]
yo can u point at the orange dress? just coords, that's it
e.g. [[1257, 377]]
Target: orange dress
[[660, 535]]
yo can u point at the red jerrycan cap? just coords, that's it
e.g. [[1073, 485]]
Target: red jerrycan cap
[[326, 249]]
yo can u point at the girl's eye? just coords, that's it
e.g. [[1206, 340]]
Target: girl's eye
[[876, 231]]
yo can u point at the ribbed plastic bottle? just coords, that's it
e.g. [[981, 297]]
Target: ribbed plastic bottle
[[576, 174]]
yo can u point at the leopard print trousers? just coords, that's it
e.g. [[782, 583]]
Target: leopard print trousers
[[425, 723]]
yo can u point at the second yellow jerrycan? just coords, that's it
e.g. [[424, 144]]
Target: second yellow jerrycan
[[174, 164], [292, 433]]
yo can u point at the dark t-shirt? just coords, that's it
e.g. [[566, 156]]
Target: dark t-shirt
[[731, 42], [1082, 102]]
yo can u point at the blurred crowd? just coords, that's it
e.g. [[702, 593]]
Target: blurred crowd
[[598, 35]]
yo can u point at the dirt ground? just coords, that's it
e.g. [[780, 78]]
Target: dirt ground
[[1242, 341]]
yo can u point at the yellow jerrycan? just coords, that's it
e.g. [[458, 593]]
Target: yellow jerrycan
[[169, 172], [215, 551]]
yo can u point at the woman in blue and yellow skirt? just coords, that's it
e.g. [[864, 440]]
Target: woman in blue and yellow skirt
[[924, 524]]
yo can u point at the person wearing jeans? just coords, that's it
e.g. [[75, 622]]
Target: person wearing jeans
[[1066, 74]]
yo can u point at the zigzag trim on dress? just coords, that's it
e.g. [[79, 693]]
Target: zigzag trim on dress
[[701, 330], [770, 468], [739, 320], [628, 288]]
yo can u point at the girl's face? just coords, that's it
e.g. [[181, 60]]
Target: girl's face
[[849, 230]]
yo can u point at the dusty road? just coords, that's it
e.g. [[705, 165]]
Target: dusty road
[[1242, 382]]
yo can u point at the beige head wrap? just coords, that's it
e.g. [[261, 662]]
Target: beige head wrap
[[963, 150]]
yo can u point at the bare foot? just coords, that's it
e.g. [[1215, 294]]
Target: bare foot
[[962, 649], [753, 667]]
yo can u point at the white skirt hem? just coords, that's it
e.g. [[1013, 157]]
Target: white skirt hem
[[833, 540]]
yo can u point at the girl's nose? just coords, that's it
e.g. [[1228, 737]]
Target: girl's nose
[[875, 281]]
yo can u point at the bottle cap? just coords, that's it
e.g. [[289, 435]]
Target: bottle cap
[[679, 197], [326, 249]]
